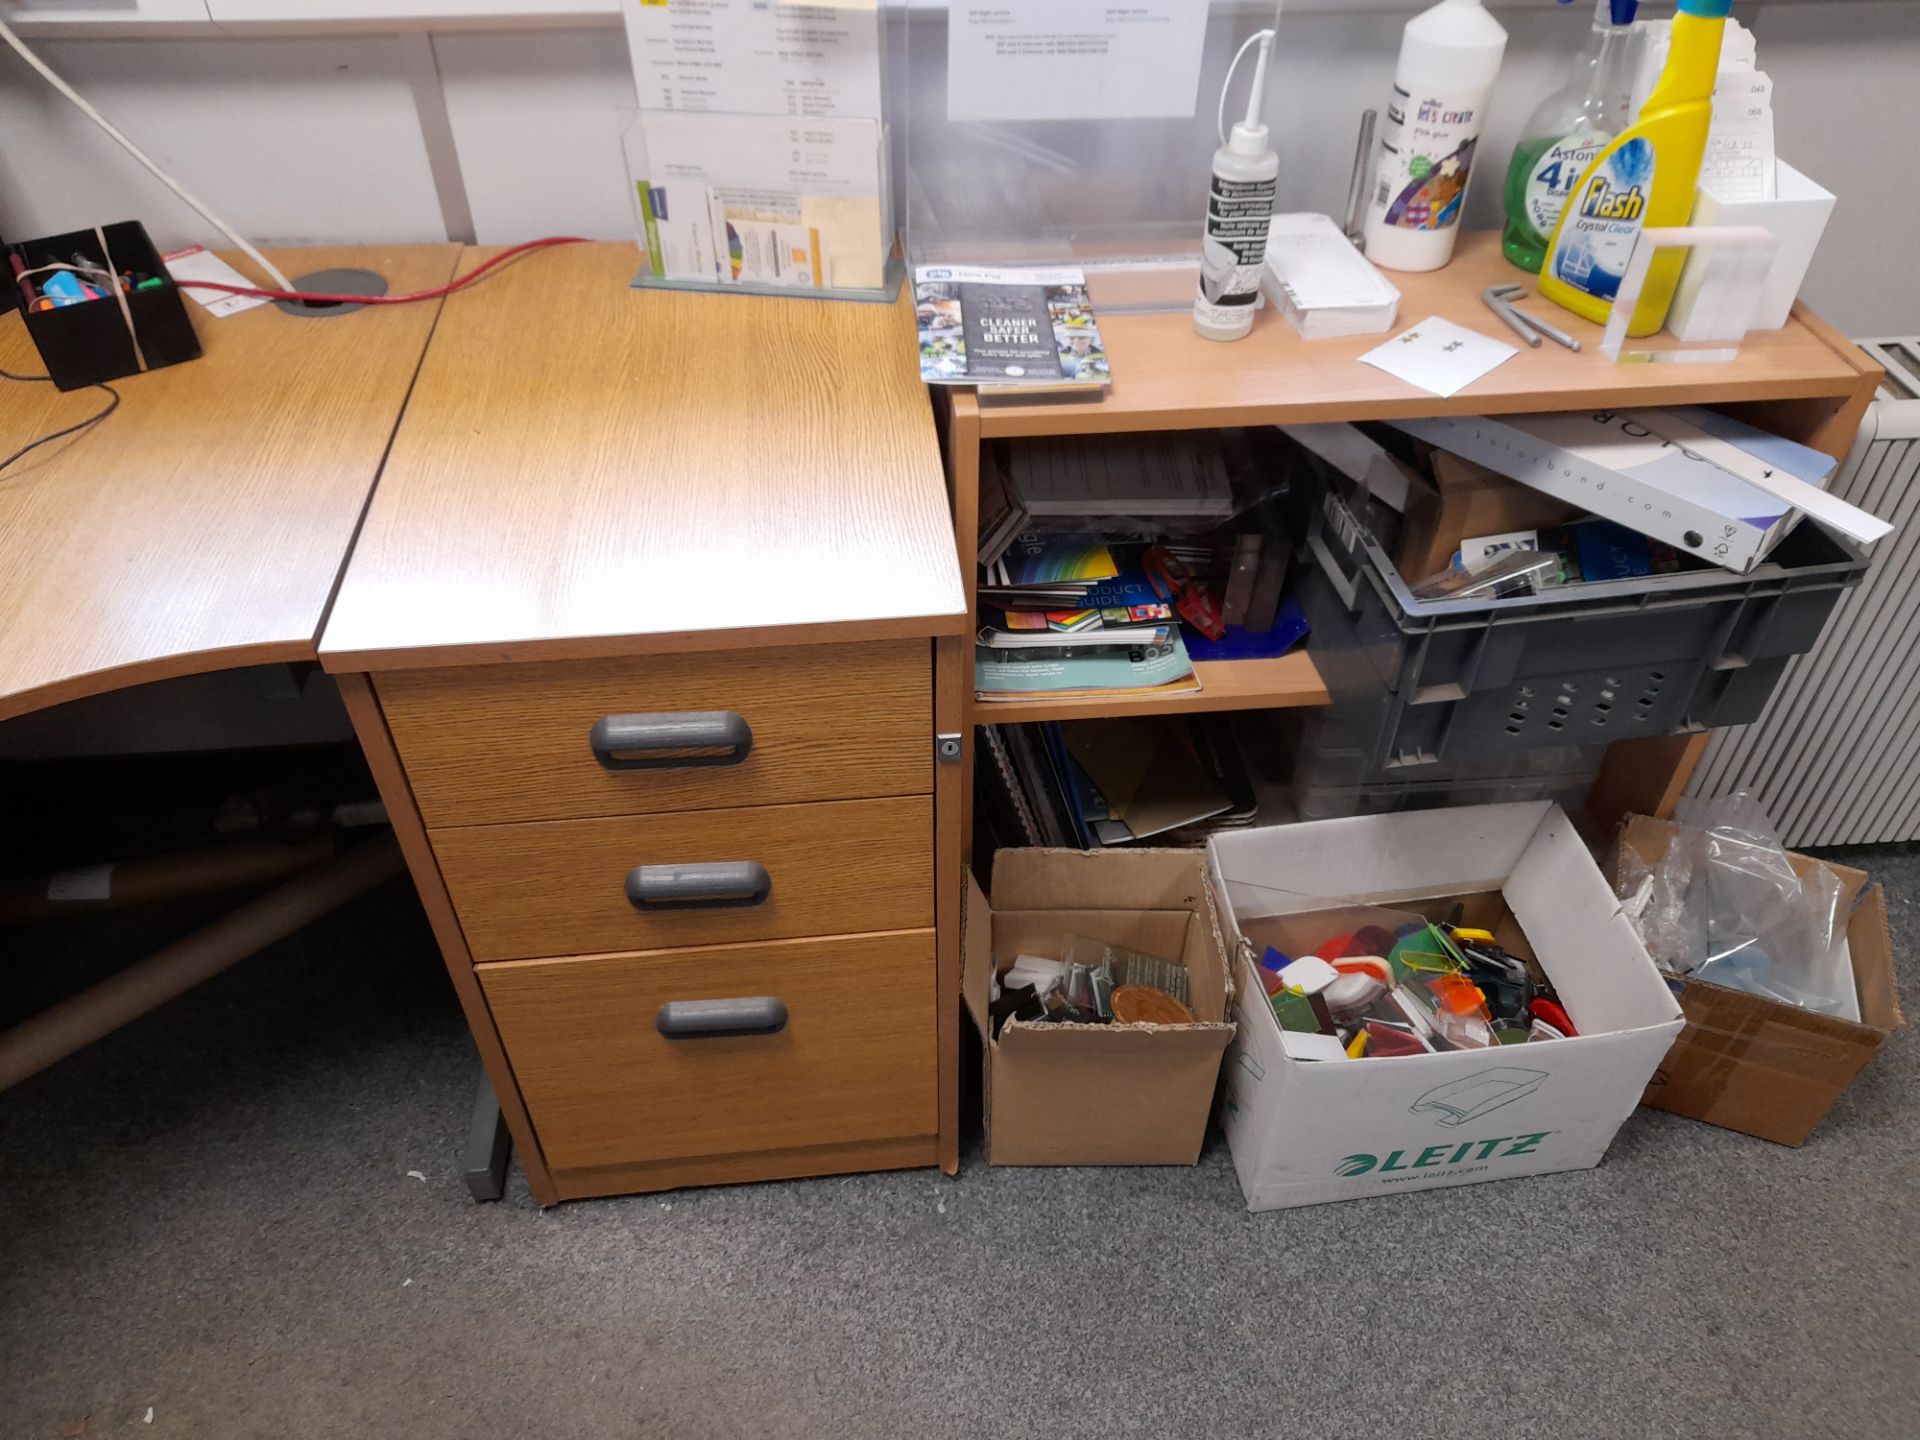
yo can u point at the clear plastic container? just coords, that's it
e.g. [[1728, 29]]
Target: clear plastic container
[[1120, 197]]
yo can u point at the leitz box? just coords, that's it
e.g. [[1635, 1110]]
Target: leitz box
[[1098, 1094], [1761, 1066], [1304, 1132]]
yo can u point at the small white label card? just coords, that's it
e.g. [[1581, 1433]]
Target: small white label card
[[196, 262], [1439, 356]]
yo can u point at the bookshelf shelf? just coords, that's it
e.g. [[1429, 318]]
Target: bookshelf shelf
[[1804, 381], [1289, 681], [1167, 378]]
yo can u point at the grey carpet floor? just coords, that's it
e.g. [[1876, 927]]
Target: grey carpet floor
[[211, 1214]]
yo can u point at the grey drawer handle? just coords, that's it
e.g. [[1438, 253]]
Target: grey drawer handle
[[724, 885], [670, 742], [711, 1019]]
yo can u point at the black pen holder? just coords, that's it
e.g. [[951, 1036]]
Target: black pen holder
[[90, 341]]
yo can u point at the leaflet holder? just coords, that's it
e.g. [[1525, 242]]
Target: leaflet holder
[[733, 233], [791, 204]]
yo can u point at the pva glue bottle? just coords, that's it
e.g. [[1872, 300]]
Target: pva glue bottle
[[1449, 57]]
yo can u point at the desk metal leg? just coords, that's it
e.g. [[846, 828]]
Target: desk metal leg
[[488, 1145]]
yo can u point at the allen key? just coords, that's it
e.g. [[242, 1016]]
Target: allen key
[[1500, 298]]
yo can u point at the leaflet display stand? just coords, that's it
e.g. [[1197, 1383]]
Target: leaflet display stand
[[793, 197]]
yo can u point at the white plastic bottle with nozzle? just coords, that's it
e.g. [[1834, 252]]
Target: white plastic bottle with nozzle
[[1233, 251], [1449, 57]]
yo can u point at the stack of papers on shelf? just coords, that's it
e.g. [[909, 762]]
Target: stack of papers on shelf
[[1145, 772], [1064, 592], [1322, 284], [1151, 477], [1059, 673], [1061, 620], [1168, 780]]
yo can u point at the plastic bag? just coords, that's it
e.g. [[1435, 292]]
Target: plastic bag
[[1726, 904]]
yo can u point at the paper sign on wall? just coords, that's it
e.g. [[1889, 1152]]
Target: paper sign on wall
[[1074, 59], [752, 57]]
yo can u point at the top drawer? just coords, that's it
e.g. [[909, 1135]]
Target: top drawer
[[492, 744]]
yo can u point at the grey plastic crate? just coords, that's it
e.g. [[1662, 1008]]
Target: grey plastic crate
[[1330, 749], [1333, 777], [1337, 802], [1426, 681]]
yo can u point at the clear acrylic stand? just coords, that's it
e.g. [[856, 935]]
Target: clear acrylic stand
[[756, 239], [794, 198], [1121, 198], [1738, 259]]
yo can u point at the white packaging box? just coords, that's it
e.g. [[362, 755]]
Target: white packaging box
[[1306, 1132], [1796, 218], [1613, 465]]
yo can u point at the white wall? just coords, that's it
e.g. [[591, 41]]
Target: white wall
[[311, 138], [1847, 104]]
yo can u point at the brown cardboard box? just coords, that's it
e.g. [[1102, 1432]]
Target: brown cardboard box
[[1760, 1066], [1465, 499], [1098, 1094]]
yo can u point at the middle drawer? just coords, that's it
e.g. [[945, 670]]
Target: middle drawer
[[649, 882]]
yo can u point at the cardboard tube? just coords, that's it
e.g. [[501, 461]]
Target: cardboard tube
[[146, 984], [156, 877]]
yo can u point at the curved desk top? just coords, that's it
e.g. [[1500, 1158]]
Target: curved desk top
[[204, 525]]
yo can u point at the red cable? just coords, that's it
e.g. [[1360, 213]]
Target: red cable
[[449, 288]]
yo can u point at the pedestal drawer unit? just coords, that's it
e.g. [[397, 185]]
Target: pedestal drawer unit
[[702, 919]]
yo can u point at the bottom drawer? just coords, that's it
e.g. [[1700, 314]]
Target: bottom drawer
[[852, 1058]]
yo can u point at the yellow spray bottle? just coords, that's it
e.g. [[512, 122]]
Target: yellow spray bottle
[[1645, 176]]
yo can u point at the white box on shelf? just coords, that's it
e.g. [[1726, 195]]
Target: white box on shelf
[[1307, 1131], [1796, 218]]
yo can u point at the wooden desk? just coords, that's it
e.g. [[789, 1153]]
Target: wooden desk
[[605, 502], [203, 526]]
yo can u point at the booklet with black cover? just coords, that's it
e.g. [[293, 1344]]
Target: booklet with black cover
[[1026, 330]]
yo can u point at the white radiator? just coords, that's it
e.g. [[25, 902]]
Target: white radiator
[[1833, 758]]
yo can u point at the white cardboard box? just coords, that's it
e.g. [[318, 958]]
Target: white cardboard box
[[1796, 217], [1305, 1132]]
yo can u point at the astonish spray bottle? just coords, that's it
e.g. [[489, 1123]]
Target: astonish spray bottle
[[1568, 131]]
